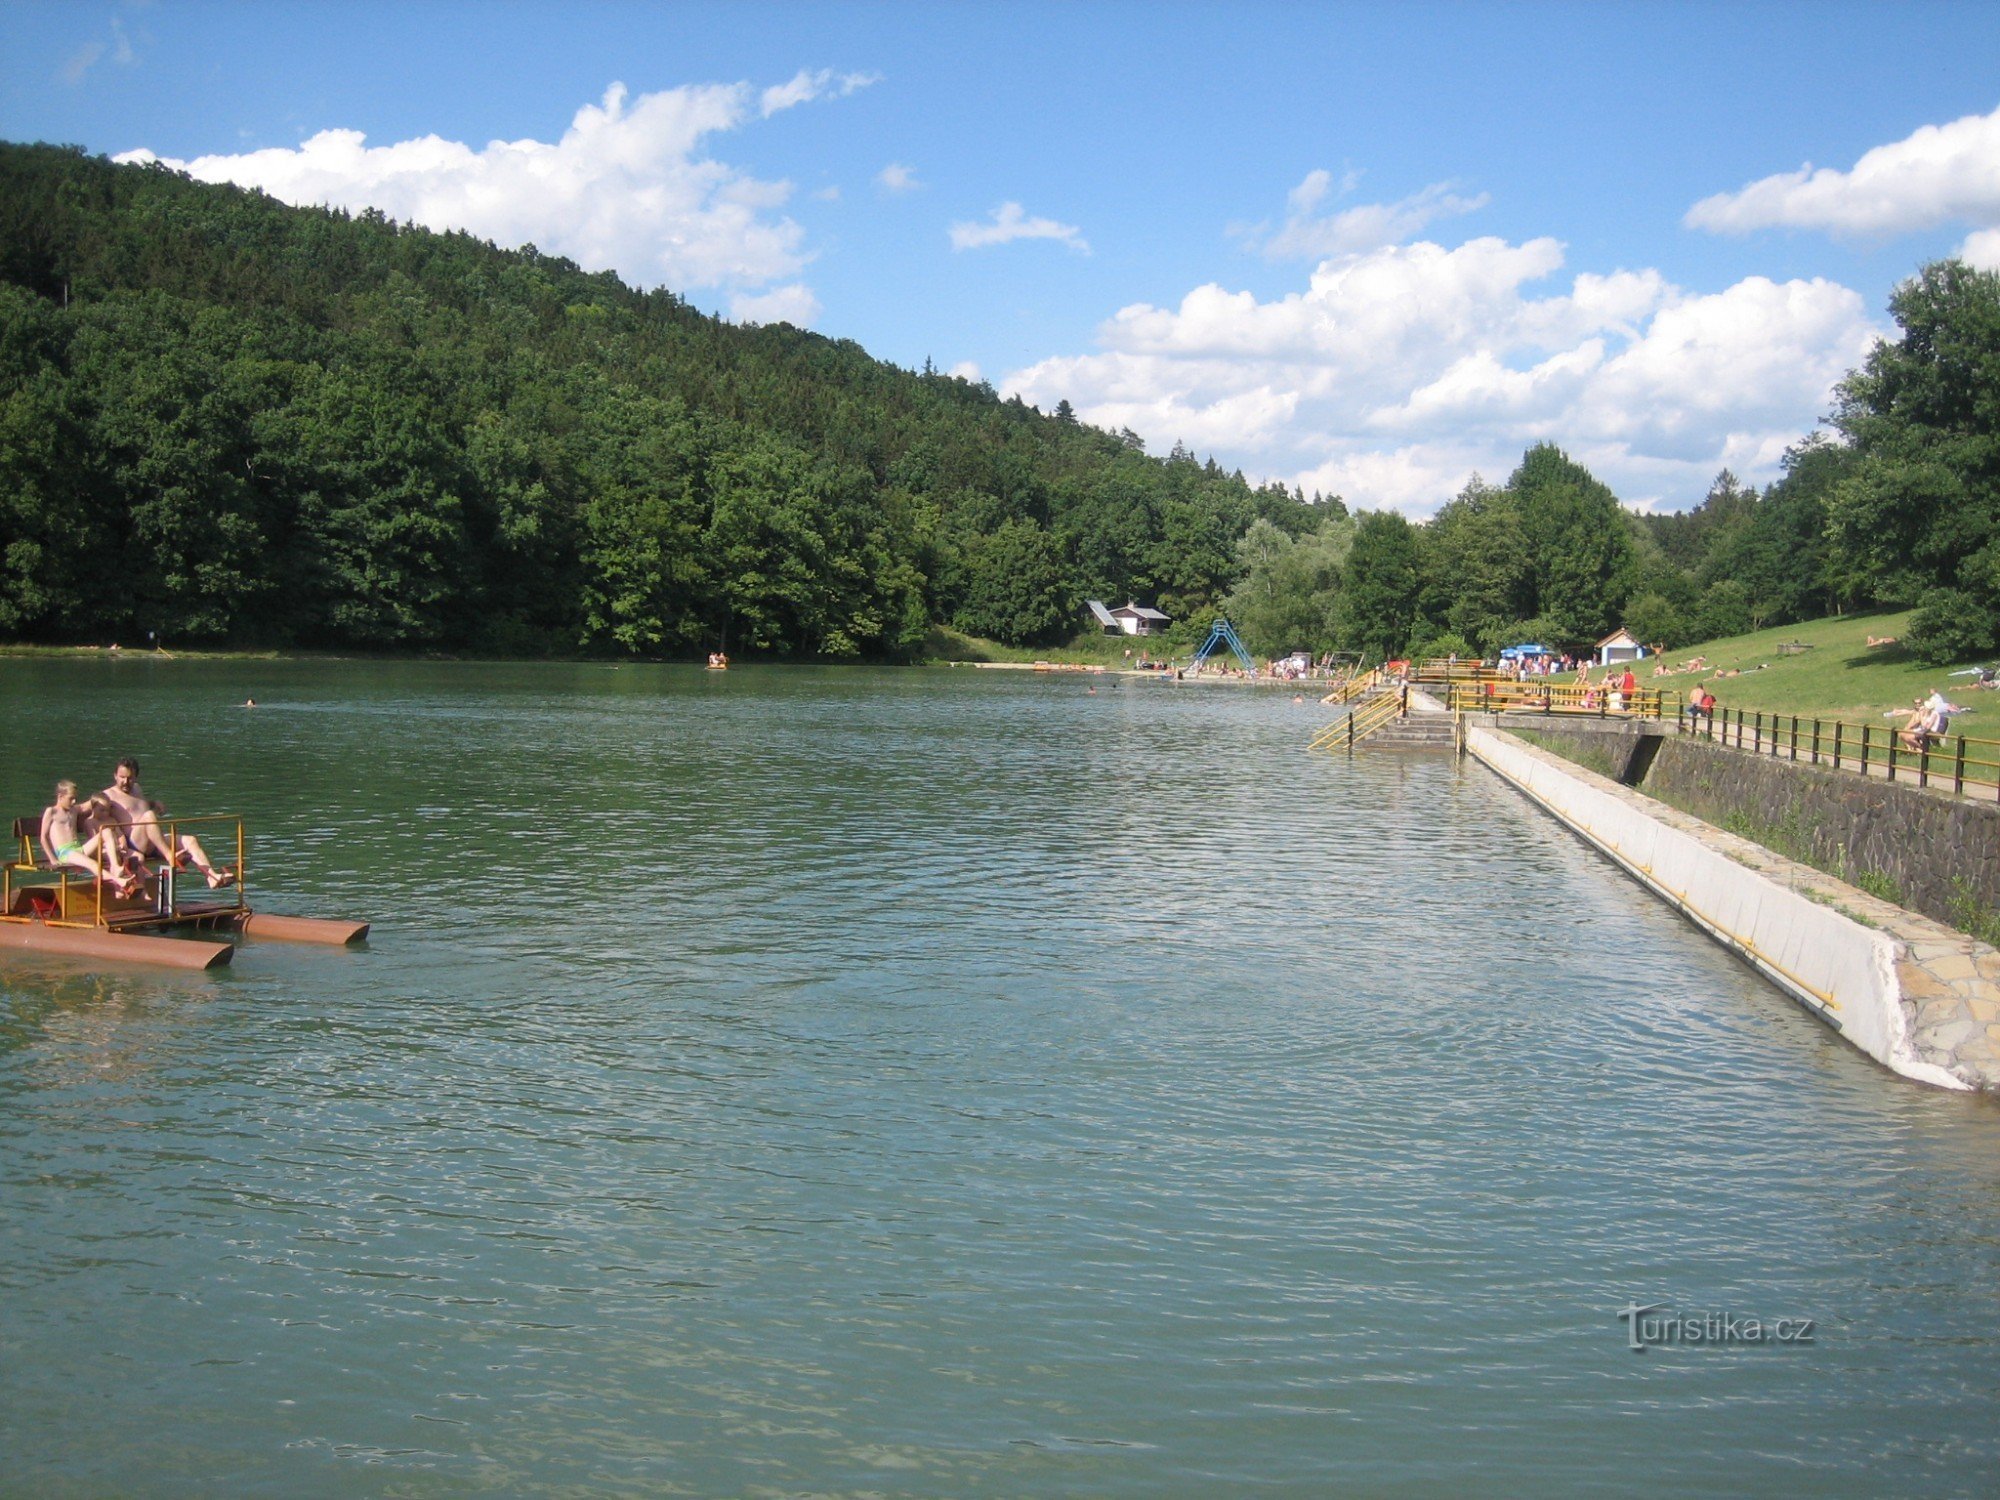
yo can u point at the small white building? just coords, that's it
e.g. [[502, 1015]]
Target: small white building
[[1135, 619], [1620, 645]]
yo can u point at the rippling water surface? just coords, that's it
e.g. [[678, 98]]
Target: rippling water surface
[[934, 1083]]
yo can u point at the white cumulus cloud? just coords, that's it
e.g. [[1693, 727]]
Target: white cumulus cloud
[[1940, 174], [807, 85], [1010, 222], [1396, 371], [1982, 250], [898, 178], [794, 304], [628, 187], [1366, 226]]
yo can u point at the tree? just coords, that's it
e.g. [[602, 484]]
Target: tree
[[225, 417], [1017, 589], [380, 531], [1289, 597], [1573, 529], [1688, 538], [1918, 518], [52, 542], [1477, 574], [1724, 611], [1657, 622], [1378, 604]]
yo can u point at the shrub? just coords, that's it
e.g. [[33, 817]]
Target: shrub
[[1952, 625]]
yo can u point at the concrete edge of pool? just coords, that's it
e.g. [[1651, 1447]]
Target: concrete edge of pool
[[1913, 994]]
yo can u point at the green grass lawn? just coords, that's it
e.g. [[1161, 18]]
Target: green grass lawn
[[1840, 677]]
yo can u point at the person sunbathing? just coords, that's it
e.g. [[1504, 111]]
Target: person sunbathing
[[69, 839], [139, 822]]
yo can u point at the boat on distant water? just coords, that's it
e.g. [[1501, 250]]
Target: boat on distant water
[[72, 913], [718, 661]]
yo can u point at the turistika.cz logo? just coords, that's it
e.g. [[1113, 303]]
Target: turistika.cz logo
[[1648, 1327]]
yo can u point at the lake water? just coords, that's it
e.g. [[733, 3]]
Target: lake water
[[935, 1083]]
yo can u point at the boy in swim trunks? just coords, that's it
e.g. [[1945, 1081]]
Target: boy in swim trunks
[[68, 839]]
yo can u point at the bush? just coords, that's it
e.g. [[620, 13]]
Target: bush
[[1724, 611], [1654, 620], [1445, 643], [1952, 625]]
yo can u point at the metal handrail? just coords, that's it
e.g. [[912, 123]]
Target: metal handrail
[[1367, 717], [1563, 698], [1956, 761], [1355, 687], [1465, 669], [68, 877]]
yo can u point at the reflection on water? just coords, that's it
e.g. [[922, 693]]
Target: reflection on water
[[934, 1083]]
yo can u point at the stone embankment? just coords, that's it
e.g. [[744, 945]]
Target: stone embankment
[[1914, 994]]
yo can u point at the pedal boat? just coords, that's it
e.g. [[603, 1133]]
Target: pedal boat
[[180, 922]]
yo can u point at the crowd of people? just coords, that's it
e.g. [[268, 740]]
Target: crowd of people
[[1522, 668], [113, 836]]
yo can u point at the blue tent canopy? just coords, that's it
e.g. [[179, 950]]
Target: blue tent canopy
[[1513, 651]]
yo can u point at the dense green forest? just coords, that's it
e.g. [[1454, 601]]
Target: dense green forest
[[228, 421]]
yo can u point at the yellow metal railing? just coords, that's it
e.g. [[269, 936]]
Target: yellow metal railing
[[1443, 669], [1545, 697], [1365, 718], [1355, 687], [27, 873]]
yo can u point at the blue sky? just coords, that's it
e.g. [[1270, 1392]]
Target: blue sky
[[1368, 249]]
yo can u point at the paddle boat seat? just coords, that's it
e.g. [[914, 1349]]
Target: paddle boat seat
[[38, 889]]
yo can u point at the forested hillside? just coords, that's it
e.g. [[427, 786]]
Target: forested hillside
[[229, 421], [232, 421]]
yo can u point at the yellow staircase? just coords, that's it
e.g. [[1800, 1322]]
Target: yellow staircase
[[1383, 705]]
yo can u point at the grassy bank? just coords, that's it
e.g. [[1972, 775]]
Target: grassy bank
[[8, 648], [1837, 675]]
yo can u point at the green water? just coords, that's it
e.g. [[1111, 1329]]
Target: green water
[[934, 1083]]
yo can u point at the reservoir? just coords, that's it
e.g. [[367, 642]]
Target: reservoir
[[937, 1083]]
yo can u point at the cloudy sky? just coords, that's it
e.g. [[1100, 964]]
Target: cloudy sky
[[1368, 249]]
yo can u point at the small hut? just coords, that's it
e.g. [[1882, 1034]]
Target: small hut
[[1135, 619], [1620, 645]]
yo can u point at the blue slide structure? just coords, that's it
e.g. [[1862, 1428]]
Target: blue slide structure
[[1222, 633]]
